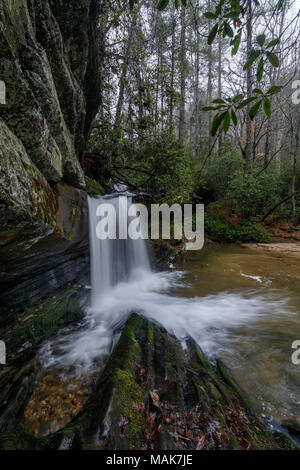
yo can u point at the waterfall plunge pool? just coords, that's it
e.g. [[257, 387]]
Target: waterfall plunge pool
[[239, 304]]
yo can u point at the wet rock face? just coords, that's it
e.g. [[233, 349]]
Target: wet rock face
[[48, 68], [24, 191], [41, 257], [49, 61]]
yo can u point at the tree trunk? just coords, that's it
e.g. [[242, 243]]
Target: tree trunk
[[295, 156], [248, 151], [197, 70], [220, 84], [182, 130], [171, 109], [124, 71]]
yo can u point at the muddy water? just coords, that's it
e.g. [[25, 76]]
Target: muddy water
[[259, 351]]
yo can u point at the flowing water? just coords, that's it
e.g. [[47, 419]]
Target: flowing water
[[258, 351], [239, 304]]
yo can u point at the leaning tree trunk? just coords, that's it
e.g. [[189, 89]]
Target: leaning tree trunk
[[296, 154], [209, 79]]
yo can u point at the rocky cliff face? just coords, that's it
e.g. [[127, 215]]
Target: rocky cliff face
[[49, 61]]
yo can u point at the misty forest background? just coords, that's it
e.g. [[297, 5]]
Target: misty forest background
[[199, 104]]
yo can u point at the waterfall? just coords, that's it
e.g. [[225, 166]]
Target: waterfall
[[114, 261], [123, 283]]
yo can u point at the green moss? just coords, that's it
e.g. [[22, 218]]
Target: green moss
[[218, 408], [291, 445], [173, 352], [74, 212], [128, 396], [229, 380], [93, 187], [45, 213], [204, 361], [43, 319], [70, 237], [150, 334], [128, 347]]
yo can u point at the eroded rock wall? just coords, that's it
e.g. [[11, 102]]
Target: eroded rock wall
[[49, 61]]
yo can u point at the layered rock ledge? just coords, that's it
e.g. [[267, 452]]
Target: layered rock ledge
[[49, 61]]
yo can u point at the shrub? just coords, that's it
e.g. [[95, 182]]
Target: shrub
[[249, 195], [219, 172], [245, 231]]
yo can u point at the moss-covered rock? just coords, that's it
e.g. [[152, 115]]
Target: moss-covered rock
[[153, 394], [43, 319], [26, 197], [93, 187]]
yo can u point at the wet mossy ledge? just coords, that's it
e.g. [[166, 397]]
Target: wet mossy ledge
[[152, 394], [44, 319]]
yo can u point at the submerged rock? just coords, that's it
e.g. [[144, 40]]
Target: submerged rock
[[153, 394]]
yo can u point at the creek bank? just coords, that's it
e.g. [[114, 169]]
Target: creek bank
[[287, 248], [152, 394]]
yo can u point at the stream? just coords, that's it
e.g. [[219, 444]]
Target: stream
[[263, 291], [239, 304]]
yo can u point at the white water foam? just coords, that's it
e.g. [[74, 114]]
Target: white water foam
[[123, 282]]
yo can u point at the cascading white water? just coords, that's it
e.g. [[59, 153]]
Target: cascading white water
[[123, 282], [114, 261]]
